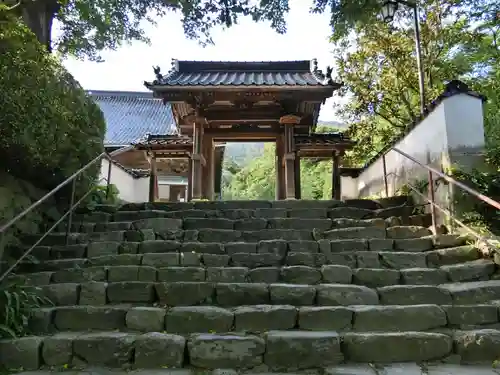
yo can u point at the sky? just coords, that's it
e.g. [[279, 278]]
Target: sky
[[128, 67]]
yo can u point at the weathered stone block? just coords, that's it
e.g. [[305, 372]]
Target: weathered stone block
[[261, 318], [277, 234], [376, 244], [303, 246], [146, 319], [227, 274], [398, 318], [408, 231], [96, 249], [277, 247], [159, 246], [368, 259], [173, 274], [250, 224], [480, 269], [350, 212], [396, 347], [159, 350], [197, 319], [240, 247], [308, 213], [343, 259], [423, 276], [84, 318], [270, 212], [228, 351], [215, 260], [93, 293], [131, 273], [336, 274], [300, 350], [57, 350], [374, 277], [401, 260], [80, 275], [203, 223], [266, 275], [62, 294], [202, 248], [41, 320], [343, 295], [447, 240], [116, 260], [190, 259], [305, 259], [325, 318], [355, 232], [413, 295], [23, 352], [235, 294], [112, 349], [300, 223], [413, 244], [256, 260], [128, 248], [184, 293], [219, 235], [338, 246], [131, 291], [463, 315], [161, 259], [473, 292], [158, 224], [300, 275], [290, 294]]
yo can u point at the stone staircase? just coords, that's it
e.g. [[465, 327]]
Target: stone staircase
[[341, 287]]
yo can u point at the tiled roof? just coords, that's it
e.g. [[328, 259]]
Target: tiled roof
[[235, 73], [131, 115], [164, 140], [322, 139]]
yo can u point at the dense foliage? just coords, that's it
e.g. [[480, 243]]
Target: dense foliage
[[49, 127], [377, 64], [88, 27]]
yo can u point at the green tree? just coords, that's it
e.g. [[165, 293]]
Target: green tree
[[90, 26], [378, 67]]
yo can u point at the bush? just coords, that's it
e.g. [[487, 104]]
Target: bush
[[49, 127], [18, 304]]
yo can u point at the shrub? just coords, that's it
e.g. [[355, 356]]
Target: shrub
[[49, 127], [18, 304]]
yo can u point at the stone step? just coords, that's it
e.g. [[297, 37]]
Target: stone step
[[264, 254], [276, 350], [235, 294], [409, 236], [150, 270], [262, 318], [184, 243], [405, 213], [408, 368]]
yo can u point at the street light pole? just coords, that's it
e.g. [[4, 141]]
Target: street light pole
[[389, 8], [420, 68]]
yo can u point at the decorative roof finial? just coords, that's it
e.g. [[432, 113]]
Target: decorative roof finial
[[315, 65], [159, 76], [328, 74]]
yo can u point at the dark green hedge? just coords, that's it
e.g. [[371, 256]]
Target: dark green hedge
[[49, 127]]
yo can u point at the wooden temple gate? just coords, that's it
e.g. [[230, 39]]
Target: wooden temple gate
[[218, 102]]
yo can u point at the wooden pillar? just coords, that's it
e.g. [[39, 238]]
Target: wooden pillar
[[189, 194], [289, 122], [153, 180], [280, 171], [336, 192], [208, 168], [197, 160], [218, 162], [298, 192]]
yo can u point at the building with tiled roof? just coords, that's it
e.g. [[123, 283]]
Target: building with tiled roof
[[131, 117]]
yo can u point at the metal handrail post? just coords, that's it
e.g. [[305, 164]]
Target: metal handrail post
[[70, 216], [386, 185]]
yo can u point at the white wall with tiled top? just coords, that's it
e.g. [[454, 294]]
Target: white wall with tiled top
[[452, 133], [130, 189]]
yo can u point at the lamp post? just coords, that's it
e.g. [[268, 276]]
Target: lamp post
[[389, 8]]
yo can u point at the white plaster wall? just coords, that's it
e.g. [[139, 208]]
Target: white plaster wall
[[130, 189], [456, 123]]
